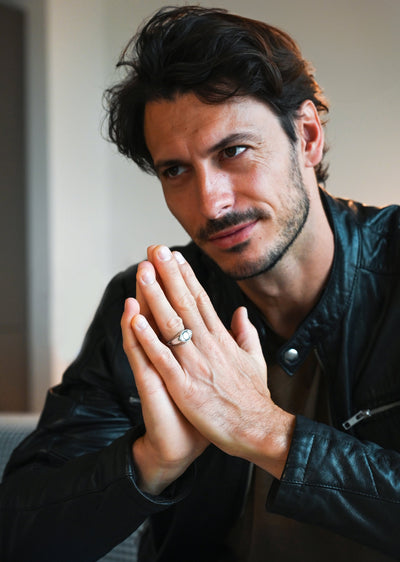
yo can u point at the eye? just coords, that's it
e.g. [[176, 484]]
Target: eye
[[173, 171], [233, 151]]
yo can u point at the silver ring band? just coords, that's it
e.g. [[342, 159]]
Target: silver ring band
[[181, 337]]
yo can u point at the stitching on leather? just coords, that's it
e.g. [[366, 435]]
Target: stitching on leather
[[311, 483], [309, 456], [370, 472], [344, 490]]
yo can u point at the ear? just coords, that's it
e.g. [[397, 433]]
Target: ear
[[311, 134]]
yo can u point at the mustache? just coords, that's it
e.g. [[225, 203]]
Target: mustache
[[234, 218]]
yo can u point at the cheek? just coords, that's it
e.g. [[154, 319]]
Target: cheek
[[257, 184], [181, 207], [267, 179]]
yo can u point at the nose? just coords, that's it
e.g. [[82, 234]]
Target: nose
[[214, 191]]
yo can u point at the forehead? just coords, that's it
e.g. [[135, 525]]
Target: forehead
[[188, 119]]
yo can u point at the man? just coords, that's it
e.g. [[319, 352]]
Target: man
[[265, 372]]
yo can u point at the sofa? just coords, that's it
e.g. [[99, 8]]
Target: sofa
[[13, 429]]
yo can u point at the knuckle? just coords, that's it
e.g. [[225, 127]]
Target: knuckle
[[202, 299], [164, 357], [174, 324], [186, 302]]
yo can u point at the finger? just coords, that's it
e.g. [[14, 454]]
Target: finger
[[168, 321], [244, 333], [185, 293], [246, 336], [133, 350], [201, 297], [150, 251], [144, 307], [131, 308], [145, 375], [159, 355]]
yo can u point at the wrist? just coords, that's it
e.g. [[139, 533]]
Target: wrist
[[153, 477], [272, 451]]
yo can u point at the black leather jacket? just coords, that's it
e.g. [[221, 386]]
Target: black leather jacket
[[69, 493]]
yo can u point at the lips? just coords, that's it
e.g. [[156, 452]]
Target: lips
[[232, 236]]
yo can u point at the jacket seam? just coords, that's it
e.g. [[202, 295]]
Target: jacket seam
[[344, 435], [309, 455], [339, 489], [391, 273], [370, 473]]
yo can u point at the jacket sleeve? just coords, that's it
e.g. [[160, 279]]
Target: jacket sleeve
[[69, 489], [336, 481]]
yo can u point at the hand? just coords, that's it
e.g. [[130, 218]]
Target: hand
[[170, 443], [218, 380]]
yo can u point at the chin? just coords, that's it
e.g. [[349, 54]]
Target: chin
[[239, 266], [248, 267]]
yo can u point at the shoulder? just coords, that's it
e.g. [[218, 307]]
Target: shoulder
[[378, 230], [372, 218]]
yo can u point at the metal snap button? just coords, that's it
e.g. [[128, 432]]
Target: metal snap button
[[291, 355]]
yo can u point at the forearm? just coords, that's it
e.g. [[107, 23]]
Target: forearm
[[87, 505], [336, 481]]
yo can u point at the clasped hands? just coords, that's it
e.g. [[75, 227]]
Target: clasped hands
[[212, 389]]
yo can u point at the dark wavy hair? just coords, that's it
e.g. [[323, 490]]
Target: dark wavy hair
[[215, 55]]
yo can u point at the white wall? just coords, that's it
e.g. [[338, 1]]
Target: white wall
[[39, 301], [100, 212], [77, 172]]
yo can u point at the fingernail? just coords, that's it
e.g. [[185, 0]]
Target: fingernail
[[164, 253], [147, 277], [140, 322], [179, 258]]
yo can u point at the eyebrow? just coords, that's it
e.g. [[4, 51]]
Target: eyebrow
[[229, 140]]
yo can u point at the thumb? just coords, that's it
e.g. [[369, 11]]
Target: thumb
[[243, 331]]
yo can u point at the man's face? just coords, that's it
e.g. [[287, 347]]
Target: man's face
[[231, 178]]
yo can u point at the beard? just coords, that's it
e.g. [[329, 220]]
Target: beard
[[290, 223]]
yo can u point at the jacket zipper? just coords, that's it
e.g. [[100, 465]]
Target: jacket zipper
[[368, 413]]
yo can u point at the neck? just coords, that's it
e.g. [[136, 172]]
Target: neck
[[288, 292]]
